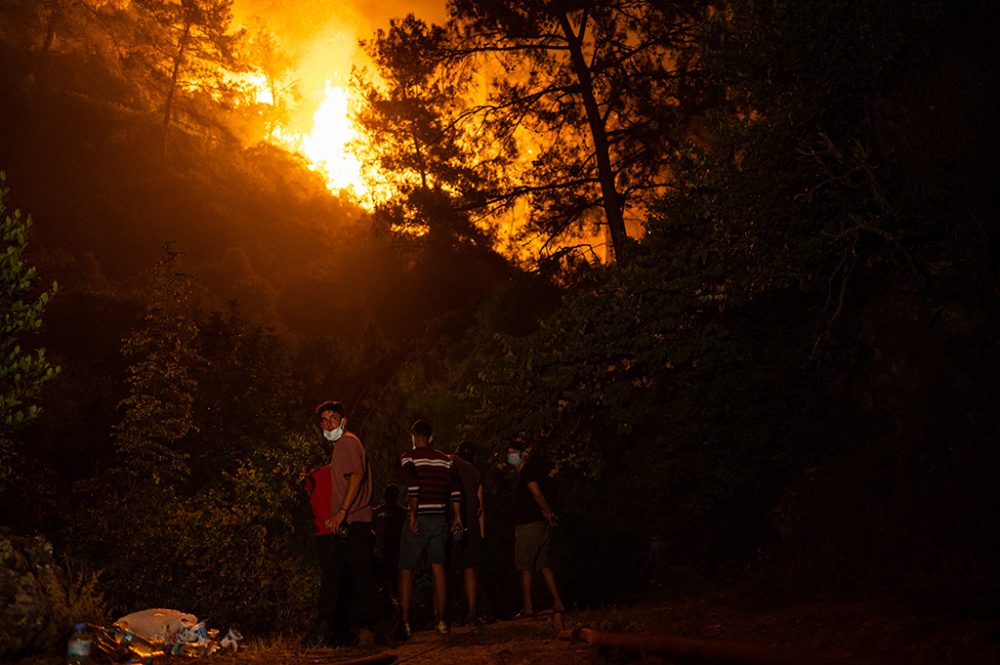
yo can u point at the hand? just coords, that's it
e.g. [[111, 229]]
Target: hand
[[552, 519], [414, 524], [333, 523]]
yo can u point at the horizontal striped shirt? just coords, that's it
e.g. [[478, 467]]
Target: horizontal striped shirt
[[430, 479]]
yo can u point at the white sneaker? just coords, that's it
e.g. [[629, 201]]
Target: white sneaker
[[441, 628]]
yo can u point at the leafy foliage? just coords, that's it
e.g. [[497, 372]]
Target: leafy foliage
[[600, 92], [158, 410], [729, 357], [234, 551], [179, 59], [76, 595], [430, 172], [246, 393], [23, 373], [793, 371], [186, 44], [203, 502]]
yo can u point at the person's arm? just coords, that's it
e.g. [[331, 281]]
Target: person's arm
[[456, 510], [482, 513], [456, 497], [412, 493], [353, 484], [536, 494], [412, 509], [333, 506]]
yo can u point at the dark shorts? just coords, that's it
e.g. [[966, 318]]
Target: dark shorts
[[531, 546], [433, 538], [470, 548]]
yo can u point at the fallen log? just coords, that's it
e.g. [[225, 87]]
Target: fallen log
[[688, 650]]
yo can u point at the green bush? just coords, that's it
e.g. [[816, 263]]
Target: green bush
[[76, 595]]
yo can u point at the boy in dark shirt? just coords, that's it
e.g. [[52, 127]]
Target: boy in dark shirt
[[535, 520], [470, 546]]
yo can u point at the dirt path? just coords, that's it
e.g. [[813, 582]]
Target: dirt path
[[853, 633], [863, 632], [499, 643]]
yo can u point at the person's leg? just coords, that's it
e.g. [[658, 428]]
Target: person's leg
[[440, 590], [550, 580], [472, 553], [541, 561], [364, 581], [389, 572], [392, 572], [529, 541], [340, 592], [436, 529], [526, 607], [345, 616], [326, 601], [469, 578], [405, 591], [410, 548]]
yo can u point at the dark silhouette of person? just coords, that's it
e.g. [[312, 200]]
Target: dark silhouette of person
[[388, 525], [470, 545]]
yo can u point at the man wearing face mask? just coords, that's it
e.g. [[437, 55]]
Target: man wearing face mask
[[345, 550], [535, 520]]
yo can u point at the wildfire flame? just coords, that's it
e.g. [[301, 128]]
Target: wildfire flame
[[329, 145], [307, 55], [259, 91]]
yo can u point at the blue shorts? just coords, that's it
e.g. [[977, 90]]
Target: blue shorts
[[433, 538]]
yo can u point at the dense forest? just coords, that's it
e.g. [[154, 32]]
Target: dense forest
[[747, 305]]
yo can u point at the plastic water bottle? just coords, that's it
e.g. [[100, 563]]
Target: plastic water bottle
[[78, 647]]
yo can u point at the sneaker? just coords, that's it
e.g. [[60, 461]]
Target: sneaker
[[474, 620], [441, 628], [407, 631]]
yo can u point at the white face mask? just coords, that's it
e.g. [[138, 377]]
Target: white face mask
[[513, 459], [335, 434]]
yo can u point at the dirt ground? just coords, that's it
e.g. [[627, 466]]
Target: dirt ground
[[818, 632], [834, 632]]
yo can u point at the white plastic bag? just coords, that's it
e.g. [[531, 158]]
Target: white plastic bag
[[157, 624]]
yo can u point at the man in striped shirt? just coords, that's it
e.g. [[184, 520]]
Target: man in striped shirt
[[431, 484]]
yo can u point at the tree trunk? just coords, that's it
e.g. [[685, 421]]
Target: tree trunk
[[168, 105], [612, 199]]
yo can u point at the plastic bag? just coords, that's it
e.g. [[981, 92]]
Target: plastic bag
[[157, 624]]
